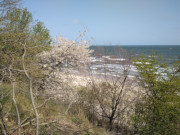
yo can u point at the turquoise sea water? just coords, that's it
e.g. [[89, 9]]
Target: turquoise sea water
[[169, 53]]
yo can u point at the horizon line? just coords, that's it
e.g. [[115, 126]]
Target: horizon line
[[134, 45]]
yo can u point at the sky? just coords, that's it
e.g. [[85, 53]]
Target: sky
[[111, 22]]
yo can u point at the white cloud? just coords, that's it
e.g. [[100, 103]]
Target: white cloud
[[76, 21]]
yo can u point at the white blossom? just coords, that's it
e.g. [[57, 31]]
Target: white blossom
[[67, 53]]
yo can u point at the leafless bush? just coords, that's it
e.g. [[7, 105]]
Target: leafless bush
[[110, 97]]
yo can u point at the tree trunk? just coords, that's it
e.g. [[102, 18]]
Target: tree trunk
[[31, 92], [17, 110], [2, 121], [110, 123]]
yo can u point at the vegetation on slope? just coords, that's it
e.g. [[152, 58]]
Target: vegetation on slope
[[36, 99]]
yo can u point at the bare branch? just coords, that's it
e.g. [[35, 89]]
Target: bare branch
[[17, 110], [30, 90]]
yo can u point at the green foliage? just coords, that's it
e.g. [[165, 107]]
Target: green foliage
[[18, 28], [158, 112]]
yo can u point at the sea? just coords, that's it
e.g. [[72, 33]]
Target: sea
[[114, 60]]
